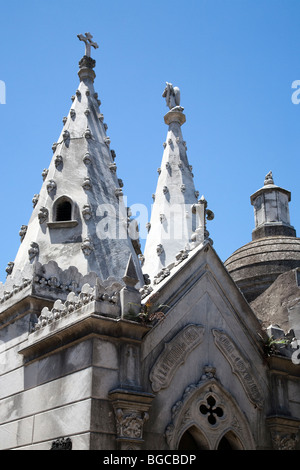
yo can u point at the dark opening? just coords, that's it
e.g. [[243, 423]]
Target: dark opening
[[63, 211], [187, 442], [224, 444]]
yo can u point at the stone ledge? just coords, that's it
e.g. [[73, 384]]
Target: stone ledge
[[86, 322], [62, 224]]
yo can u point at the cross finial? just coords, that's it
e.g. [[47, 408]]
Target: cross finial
[[87, 39]]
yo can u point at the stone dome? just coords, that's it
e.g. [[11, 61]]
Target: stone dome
[[274, 248], [256, 265]]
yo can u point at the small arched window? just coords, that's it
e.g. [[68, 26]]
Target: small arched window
[[63, 211], [64, 214]]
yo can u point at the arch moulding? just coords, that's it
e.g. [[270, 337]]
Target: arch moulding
[[207, 408]]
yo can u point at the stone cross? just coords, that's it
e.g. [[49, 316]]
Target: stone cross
[[87, 39]]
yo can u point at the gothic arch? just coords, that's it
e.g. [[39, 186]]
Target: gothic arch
[[206, 414], [193, 439]]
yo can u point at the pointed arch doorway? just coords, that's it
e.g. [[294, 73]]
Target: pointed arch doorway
[[192, 439], [208, 418]]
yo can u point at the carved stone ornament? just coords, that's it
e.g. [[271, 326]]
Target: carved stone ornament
[[165, 189], [87, 159], [145, 291], [10, 268], [87, 246], [72, 113], [58, 161], [87, 212], [23, 231], [240, 367], [87, 184], [107, 291], [35, 199], [113, 167], [33, 251], [182, 188], [161, 275], [51, 186], [64, 443], [130, 424], [282, 440], [107, 141], [88, 134], [182, 255], [45, 173], [159, 249], [118, 192], [43, 215], [174, 354], [66, 135], [162, 218]]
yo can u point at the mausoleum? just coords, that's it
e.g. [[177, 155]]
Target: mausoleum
[[104, 346]]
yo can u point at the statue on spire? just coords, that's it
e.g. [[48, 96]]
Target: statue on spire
[[172, 96], [269, 178], [87, 39]]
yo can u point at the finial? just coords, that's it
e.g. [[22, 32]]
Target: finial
[[130, 277], [269, 178], [172, 95], [87, 39]]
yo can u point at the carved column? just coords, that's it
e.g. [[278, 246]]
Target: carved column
[[131, 412]]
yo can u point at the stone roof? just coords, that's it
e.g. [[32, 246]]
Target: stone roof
[[79, 218], [172, 219], [256, 265], [273, 306]]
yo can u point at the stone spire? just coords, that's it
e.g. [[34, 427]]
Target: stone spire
[[271, 210], [79, 221], [173, 218]]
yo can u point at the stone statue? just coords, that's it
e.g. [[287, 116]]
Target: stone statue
[[269, 178], [172, 96]]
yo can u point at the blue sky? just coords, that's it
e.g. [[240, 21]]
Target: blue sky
[[233, 60]]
